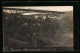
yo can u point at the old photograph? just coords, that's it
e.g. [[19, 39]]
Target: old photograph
[[26, 27]]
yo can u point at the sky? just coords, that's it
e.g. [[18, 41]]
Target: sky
[[49, 8]]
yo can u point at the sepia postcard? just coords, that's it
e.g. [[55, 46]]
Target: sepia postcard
[[37, 28]]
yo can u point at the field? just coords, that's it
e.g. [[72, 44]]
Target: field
[[37, 30]]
